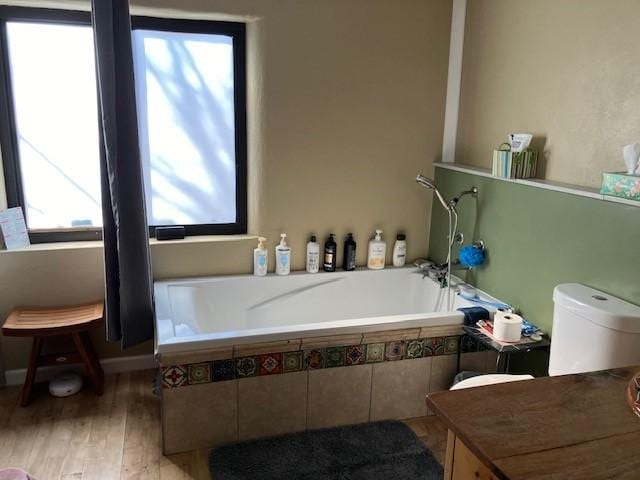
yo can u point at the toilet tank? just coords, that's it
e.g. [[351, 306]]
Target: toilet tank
[[592, 331]]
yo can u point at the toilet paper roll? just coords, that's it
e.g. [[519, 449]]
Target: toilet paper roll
[[507, 326]]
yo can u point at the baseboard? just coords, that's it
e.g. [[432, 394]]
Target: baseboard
[[109, 365]]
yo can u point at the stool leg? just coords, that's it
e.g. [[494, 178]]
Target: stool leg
[[36, 348], [90, 360]]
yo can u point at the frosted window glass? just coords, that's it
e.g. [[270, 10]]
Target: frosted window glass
[[54, 93], [185, 92]]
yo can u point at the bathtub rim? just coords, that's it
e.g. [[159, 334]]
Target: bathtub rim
[[171, 344]]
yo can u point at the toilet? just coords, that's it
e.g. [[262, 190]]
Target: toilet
[[591, 331]]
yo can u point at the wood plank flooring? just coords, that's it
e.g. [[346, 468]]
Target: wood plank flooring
[[115, 436]]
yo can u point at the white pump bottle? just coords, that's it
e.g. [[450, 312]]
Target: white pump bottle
[[283, 256], [377, 252]]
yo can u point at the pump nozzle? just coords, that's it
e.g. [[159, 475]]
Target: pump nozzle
[[283, 239], [261, 241]]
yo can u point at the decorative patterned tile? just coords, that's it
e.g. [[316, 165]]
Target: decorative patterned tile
[[223, 370], [375, 352], [246, 367], [314, 359], [292, 361], [334, 357], [415, 348], [174, 376], [451, 345], [468, 344], [355, 354], [270, 363], [199, 373], [394, 350], [434, 346]]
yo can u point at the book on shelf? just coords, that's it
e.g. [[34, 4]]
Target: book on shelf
[[508, 164]]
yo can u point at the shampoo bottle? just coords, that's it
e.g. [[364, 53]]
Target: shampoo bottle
[[349, 258], [313, 255], [400, 250], [283, 256], [330, 253], [260, 258], [377, 252]]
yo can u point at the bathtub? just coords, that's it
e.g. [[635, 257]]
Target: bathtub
[[210, 312], [244, 357]]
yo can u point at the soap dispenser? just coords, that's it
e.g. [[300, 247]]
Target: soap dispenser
[[283, 256], [377, 252], [260, 258]]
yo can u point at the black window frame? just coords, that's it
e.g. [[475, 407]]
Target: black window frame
[[8, 133]]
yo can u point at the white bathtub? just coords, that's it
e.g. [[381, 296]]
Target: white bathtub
[[204, 313]]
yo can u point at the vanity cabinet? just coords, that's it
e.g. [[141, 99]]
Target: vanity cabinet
[[569, 427], [462, 464]]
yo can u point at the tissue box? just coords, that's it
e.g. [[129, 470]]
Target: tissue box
[[622, 185]]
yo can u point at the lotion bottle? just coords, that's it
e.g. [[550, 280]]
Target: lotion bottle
[[260, 258], [283, 256], [313, 255], [400, 250], [330, 254], [377, 252], [349, 257]]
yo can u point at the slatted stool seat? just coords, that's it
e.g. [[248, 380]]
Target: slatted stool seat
[[40, 323]]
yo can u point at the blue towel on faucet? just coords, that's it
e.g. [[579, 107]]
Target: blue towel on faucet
[[473, 314]]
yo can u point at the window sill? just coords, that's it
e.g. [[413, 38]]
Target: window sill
[[97, 244]]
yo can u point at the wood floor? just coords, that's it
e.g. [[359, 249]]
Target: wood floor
[[115, 436]]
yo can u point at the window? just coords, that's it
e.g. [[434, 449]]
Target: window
[[190, 87], [190, 94]]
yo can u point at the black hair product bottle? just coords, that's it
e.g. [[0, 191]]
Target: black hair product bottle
[[349, 258], [330, 253]]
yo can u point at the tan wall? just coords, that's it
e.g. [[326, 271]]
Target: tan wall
[[568, 71], [346, 105]]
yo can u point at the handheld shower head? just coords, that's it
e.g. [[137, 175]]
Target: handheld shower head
[[426, 182]]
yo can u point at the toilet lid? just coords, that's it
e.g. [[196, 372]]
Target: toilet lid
[[491, 379]]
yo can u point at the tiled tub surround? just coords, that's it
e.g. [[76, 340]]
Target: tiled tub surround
[[244, 357], [249, 391]]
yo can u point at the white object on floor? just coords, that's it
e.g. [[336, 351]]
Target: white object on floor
[[492, 379], [65, 385]]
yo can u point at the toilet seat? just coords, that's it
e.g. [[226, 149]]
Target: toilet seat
[[491, 379]]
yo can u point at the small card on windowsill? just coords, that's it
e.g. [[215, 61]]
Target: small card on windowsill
[[13, 229]]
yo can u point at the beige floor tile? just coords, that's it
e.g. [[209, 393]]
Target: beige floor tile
[[399, 389], [272, 405], [339, 396], [200, 416]]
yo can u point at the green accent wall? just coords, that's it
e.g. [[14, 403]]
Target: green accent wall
[[538, 238]]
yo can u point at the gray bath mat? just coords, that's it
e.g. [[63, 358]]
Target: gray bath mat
[[371, 451]]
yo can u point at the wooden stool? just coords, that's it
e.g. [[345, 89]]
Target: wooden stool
[[49, 322]]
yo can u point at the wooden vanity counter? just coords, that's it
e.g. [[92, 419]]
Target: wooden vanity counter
[[568, 427]]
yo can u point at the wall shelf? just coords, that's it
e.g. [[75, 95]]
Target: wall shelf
[[588, 192]]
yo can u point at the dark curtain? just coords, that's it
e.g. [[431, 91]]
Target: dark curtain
[[129, 298]]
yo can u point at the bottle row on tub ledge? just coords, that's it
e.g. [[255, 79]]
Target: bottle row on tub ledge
[[376, 257]]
